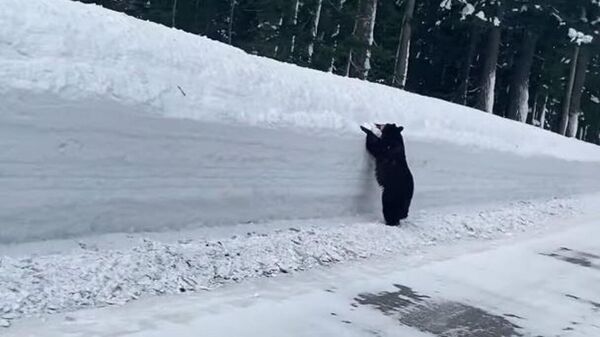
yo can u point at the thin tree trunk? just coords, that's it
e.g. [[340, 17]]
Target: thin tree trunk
[[485, 101], [348, 64], [564, 120], [314, 30], [578, 84], [279, 25], [294, 24], [332, 62], [232, 4], [534, 107], [338, 28], [518, 104], [287, 31], [465, 71], [360, 59], [403, 51], [173, 13], [543, 112], [573, 125], [196, 16]]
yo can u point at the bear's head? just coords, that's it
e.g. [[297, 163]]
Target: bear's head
[[391, 136]]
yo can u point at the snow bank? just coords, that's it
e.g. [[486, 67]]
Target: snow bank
[[83, 51], [67, 170], [92, 277]]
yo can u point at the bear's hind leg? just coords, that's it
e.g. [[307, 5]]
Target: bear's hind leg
[[390, 208], [407, 197], [405, 205]]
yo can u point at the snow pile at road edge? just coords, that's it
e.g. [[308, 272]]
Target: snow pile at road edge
[[46, 284]]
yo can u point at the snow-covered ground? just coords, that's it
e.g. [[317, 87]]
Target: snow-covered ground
[[543, 285], [137, 160]]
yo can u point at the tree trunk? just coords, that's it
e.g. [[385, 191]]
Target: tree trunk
[[293, 26], [173, 13], [534, 108], [518, 104], [564, 120], [543, 112], [580, 132], [578, 83], [232, 4], [348, 64], [465, 71], [403, 51], [279, 25], [196, 17], [485, 100], [314, 30], [360, 59], [573, 125], [287, 31], [338, 28]]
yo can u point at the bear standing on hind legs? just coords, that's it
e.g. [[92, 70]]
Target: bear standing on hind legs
[[391, 171]]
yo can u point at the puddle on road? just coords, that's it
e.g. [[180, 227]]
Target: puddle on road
[[595, 305], [437, 316], [576, 257]]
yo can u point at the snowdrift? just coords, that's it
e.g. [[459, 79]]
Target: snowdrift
[[80, 52], [93, 276]]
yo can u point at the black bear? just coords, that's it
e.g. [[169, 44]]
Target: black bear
[[391, 171]]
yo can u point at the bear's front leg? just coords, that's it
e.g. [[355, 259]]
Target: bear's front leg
[[373, 143]]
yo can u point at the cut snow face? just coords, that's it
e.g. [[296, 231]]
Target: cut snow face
[[68, 170], [175, 74]]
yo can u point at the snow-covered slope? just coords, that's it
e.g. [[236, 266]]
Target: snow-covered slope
[[81, 52]]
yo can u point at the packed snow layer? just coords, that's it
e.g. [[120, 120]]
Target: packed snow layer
[[91, 277], [99, 54], [69, 169]]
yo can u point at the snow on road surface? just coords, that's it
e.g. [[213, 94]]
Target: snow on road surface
[[546, 285]]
